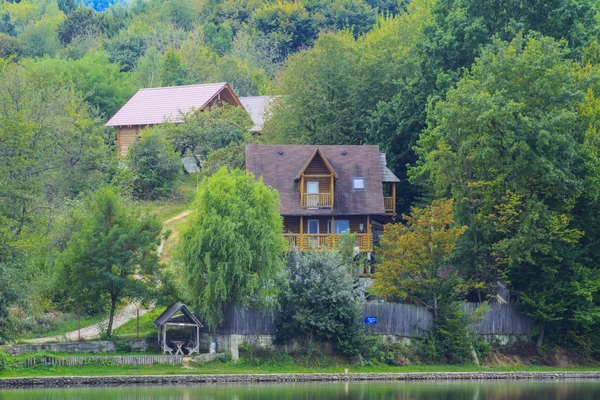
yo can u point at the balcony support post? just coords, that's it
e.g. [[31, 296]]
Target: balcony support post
[[300, 239], [394, 197], [332, 231], [302, 191], [331, 192], [369, 233]]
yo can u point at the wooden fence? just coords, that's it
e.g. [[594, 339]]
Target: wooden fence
[[397, 319], [502, 319], [392, 319], [118, 360]]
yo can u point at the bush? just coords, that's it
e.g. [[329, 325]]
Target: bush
[[155, 166], [452, 339], [4, 361], [307, 357], [322, 303], [376, 351]]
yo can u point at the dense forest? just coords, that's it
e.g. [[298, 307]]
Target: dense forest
[[493, 105]]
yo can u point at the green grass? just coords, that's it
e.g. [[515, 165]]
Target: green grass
[[218, 367], [183, 196], [147, 328], [67, 326]]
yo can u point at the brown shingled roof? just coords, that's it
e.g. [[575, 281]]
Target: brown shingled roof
[[158, 105], [278, 165]]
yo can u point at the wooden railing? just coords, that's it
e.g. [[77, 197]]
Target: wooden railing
[[320, 242], [318, 200], [390, 205]]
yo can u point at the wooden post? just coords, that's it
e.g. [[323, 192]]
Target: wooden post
[[21, 321], [137, 327], [302, 191], [79, 325], [300, 244], [331, 192], [332, 231], [164, 342], [394, 197], [369, 233]]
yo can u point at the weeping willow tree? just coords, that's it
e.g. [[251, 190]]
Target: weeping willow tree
[[232, 248]]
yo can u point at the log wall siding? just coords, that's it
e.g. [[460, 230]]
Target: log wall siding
[[324, 184], [316, 167], [292, 224], [126, 136]]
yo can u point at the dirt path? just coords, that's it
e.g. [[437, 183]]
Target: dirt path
[[178, 216], [121, 317], [93, 331]]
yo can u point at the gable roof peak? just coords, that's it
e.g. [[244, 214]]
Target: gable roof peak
[[311, 158]]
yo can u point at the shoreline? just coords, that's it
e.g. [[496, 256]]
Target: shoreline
[[211, 379]]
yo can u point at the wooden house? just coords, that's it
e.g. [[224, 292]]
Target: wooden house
[[326, 191], [154, 106]]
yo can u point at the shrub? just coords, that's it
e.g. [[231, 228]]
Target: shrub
[[4, 361], [452, 339], [155, 165], [321, 303]]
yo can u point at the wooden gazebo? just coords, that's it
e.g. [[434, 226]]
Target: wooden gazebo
[[177, 314]]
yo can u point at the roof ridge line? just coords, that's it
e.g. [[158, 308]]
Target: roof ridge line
[[182, 86]]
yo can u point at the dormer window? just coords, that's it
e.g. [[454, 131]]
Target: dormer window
[[358, 183]]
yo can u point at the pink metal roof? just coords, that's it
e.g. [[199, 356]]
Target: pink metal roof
[[157, 105]]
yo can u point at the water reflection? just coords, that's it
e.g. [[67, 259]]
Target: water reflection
[[480, 390]]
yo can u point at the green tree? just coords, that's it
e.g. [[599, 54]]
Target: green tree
[[100, 82], [6, 25], [9, 46], [113, 256], [220, 38], [319, 103], [452, 37], [67, 6], [172, 72], [287, 24], [321, 302], [125, 50], [515, 145], [155, 166], [232, 248], [415, 258], [203, 132], [355, 15], [39, 38], [81, 22]]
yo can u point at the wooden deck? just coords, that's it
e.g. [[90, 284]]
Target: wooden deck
[[325, 242]]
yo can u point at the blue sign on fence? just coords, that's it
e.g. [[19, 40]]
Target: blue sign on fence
[[371, 320]]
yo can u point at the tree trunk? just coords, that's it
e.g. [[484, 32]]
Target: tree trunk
[[435, 307], [113, 306], [540, 340]]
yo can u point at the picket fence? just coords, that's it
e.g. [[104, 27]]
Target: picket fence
[[391, 319], [119, 360]]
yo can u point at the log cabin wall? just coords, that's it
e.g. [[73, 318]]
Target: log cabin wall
[[317, 167], [324, 184], [126, 136], [292, 224]]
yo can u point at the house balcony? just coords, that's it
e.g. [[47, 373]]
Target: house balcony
[[317, 200], [325, 242], [390, 205]]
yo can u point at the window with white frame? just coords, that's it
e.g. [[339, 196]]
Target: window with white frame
[[312, 187], [358, 183]]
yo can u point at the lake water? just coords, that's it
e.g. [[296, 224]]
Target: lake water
[[478, 390]]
